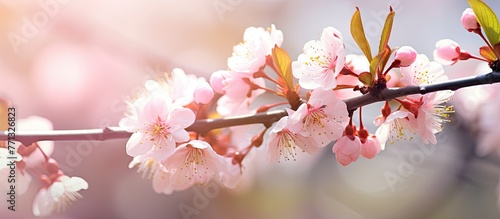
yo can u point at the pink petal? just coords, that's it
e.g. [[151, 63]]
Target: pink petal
[[138, 144]]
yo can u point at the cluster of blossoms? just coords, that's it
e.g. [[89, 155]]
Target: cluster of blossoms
[[175, 156], [34, 162]]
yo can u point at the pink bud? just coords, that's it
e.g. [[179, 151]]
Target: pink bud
[[203, 93], [371, 147], [469, 20], [217, 81], [406, 55], [347, 150], [447, 52]]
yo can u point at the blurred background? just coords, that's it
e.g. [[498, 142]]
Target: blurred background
[[75, 62]]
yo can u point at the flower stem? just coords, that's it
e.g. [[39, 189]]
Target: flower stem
[[266, 118]]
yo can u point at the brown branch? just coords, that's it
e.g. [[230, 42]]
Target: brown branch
[[268, 118]]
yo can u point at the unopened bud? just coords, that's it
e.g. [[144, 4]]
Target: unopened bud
[[203, 93], [217, 81], [406, 55], [469, 20]]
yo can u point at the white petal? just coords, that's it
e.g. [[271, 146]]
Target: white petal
[[75, 184], [43, 204]]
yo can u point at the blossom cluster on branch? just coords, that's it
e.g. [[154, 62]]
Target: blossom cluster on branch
[[313, 91]]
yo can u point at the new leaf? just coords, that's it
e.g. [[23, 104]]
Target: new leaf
[[358, 34], [283, 64], [487, 19]]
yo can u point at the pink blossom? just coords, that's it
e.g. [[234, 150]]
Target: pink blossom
[[285, 141], [469, 20], [217, 81], [448, 52], [250, 55], [56, 196], [370, 147], [179, 86], [321, 61], [323, 117], [238, 94], [395, 127], [431, 114], [203, 93], [347, 149], [422, 72], [357, 64], [406, 55], [194, 162], [157, 125]]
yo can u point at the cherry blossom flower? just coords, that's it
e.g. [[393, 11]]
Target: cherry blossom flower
[[238, 93], [431, 114], [58, 195], [250, 55], [321, 61], [395, 127], [194, 162], [469, 20], [285, 141], [179, 86], [422, 72], [323, 117], [427, 111], [157, 125]]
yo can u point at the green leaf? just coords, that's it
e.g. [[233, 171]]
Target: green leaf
[[283, 64], [386, 32], [358, 34], [487, 19], [366, 78]]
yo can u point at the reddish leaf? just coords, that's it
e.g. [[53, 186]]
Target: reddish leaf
[[283, 64], [487, 53]]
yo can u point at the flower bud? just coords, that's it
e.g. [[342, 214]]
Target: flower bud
[[370, 147], [406, 55], [203, 93], [447, 52], [469, 20], [217, 81], [347, 150]]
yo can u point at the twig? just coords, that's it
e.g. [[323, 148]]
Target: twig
[[267, 118]]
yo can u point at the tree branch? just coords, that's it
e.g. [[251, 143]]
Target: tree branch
[[268, 118]]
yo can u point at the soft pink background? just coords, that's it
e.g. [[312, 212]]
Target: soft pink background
[[91, 55]]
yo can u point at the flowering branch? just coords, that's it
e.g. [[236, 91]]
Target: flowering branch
[[267, 118]]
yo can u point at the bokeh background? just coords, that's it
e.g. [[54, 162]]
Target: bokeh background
[[84, 58]]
